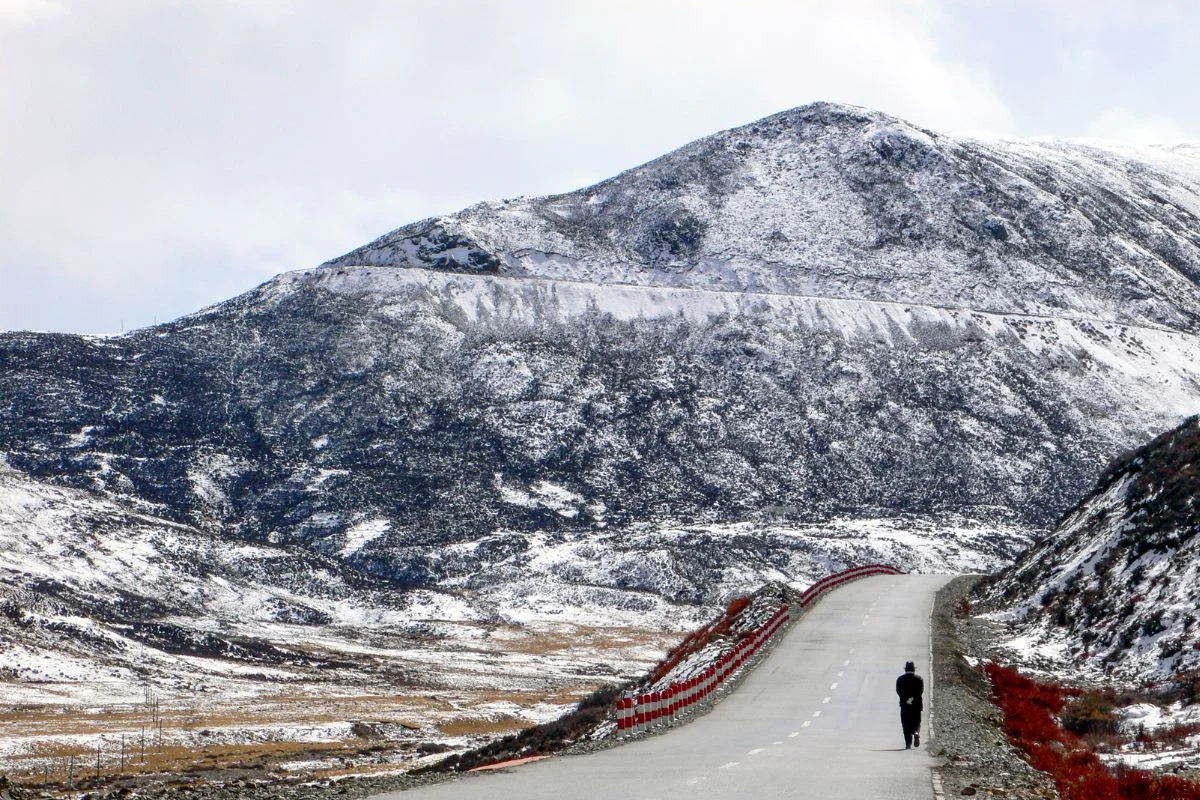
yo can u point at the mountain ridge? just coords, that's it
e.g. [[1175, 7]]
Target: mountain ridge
[[1032, 196], [669, 359]]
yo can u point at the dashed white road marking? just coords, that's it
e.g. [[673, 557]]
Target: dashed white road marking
[[755, 751], [833, 686], [826, 700], [776, 742], [841, 673], [806, 723], [846, 663], [816, 714], [794, 734], [730, 764], [851, 651]]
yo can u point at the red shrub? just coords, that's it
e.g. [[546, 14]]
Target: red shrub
[[698, 640], [1173, 736], [736, 606], [1029, 708]]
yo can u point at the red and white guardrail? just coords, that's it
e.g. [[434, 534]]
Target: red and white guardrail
[[830, 582], [651, 709]]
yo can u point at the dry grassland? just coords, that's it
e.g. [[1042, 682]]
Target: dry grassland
[[208, 737]]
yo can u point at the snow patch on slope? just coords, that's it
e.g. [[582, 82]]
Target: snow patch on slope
[[362, 534]]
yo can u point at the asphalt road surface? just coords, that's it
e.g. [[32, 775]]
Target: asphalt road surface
[[818, 718]]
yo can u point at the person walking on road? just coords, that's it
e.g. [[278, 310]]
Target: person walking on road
[[911, 690]]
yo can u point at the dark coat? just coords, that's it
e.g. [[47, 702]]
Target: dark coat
[[911, 690]]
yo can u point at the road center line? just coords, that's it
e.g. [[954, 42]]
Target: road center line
[[816, 714], [730, 764], [805, 724], [826, 700], [794, 734], [833, 686], [755, 751], [841, 673]]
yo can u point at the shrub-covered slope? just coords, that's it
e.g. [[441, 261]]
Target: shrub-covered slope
[[1116, 585]]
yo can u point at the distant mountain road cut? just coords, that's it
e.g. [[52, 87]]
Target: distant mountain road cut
[[818, 718]]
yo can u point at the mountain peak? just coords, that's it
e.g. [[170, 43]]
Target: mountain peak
[[832, 200], [830, 114]]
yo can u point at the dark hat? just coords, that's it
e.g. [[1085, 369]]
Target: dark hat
[[909, 667]]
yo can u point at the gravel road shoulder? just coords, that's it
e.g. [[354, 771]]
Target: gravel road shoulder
[[979, 761]]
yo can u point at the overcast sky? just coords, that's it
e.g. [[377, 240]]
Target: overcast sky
[[157, 156]]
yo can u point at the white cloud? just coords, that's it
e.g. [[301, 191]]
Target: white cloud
[[16, 13], [1124, 125]]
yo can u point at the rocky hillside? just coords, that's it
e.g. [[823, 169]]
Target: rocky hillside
[[829, 312], [1115, 587]]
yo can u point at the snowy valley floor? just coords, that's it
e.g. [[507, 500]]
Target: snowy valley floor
[[242, 677], [379, 711]]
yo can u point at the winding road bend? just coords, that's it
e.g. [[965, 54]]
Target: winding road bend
[[818, 718]]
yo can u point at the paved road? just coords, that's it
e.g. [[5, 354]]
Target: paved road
[[818, 718]]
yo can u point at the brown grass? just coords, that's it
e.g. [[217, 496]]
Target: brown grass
[[467, 726], [179, 760], [278, 709], [449, 710], [53, 755], [574, 637], [42, 748]]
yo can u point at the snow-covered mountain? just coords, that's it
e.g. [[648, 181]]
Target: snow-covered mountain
[[112, 621], [1115, 587], [826, 314], [777, 315]]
